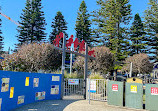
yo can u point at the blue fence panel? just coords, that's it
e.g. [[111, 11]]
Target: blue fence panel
[[17, 80]]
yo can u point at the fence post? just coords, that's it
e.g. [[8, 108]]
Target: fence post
[[89, 82]]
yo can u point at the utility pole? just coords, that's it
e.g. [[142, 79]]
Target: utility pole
[[63, 65], [85, 69], [71, 62], [130, 73]]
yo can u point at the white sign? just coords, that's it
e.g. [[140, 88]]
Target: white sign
[[55, 78], [35, 82], [114, 87], [73, 81], [93, 86], [154, 91], [54, 89]]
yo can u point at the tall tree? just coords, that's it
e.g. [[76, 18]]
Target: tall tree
[[58, 25], [1, 38], [32, 23], [111, 19], [83, 31], [151, 23], [137, 36]]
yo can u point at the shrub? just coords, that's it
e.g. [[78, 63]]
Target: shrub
[[96, 76], [33, 57], [103, 62], [74, 75], [141, 64]]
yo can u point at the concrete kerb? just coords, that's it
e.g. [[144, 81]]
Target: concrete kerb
[[127, 108]]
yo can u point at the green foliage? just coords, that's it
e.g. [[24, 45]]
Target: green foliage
[[58, 25], [33, 58], [151, 23], [137, 36], [32, 23], [83, 31], [111, 19], [96, 76]]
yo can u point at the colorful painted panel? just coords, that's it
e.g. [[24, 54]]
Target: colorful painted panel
[[35, 82], [21, 99], [55, 89], [40, 95], [55, 78], [5, 84]]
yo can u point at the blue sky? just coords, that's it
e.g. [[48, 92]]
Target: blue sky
[[69, 8]]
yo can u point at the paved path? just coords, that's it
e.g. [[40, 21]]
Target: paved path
[[71, 105]]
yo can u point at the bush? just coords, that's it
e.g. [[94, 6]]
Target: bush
[[74, 75], [96, 76], [140, 64], [33, 57], [103, 62]]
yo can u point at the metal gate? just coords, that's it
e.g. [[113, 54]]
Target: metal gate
[[101, 92], [73, 89]]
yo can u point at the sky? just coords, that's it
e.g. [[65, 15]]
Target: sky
[[69, 8]]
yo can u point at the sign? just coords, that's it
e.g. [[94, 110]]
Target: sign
[[133, 89], [21, 99], [54, 89], [114, 87], [35, 82], [5, 85], [55, 78], [27, 81], [154, 91], [40, 95], [73, 81], [70, 42], [93, 86], [11, 92]]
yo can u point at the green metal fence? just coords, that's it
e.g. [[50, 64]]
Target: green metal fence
[[151, 97], [134, 95], [115, 93]]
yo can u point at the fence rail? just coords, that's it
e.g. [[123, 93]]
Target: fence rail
[[101, 91], [73, 90]]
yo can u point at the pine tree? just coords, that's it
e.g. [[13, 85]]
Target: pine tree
[[1, 38], [25, 28], [32, 23], [137, 36], [111, 19], [58, 25], [83, 31], [151, 24]]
